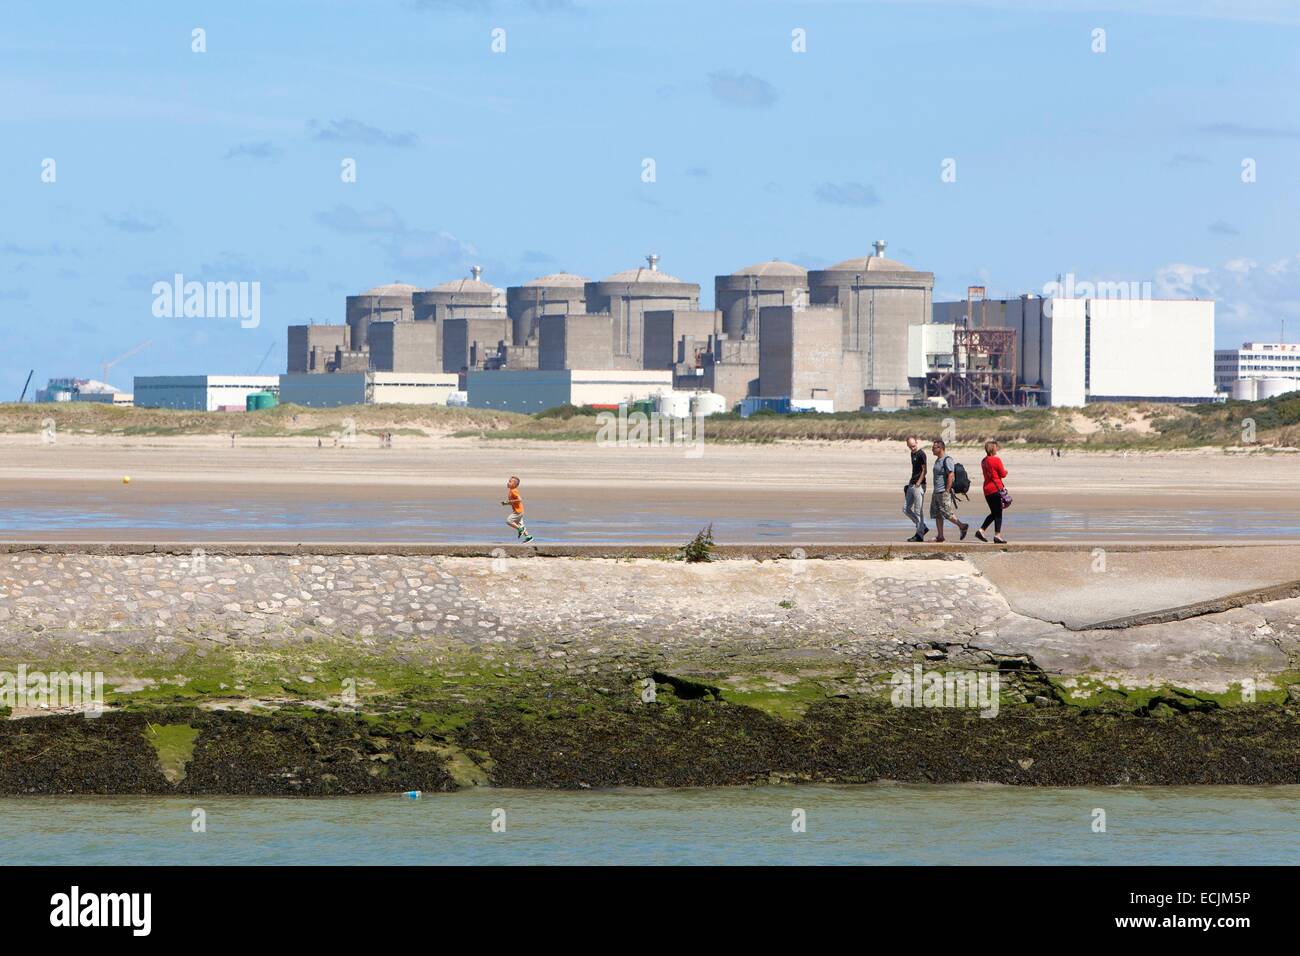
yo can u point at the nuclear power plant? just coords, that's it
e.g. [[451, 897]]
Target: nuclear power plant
[[864, 333], [839, 335]]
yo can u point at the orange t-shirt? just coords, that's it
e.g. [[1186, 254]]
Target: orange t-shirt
[[516, 503]]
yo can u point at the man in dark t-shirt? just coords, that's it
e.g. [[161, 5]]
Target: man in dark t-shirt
[[914, 491]]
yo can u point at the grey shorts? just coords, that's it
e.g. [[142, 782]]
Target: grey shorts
[[943, 504]]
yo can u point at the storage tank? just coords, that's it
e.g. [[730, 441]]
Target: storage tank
[[626, 296], [740, 295], [708, 403], [559, 293], [256, 401], [1243, 390], [1273, 386], [879, 299], [674, 404]]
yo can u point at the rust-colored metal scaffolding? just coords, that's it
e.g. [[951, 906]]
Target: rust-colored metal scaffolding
[[983, 371]]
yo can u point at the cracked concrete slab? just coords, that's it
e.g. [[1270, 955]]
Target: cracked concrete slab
[[1103, 588], [1210, 653]]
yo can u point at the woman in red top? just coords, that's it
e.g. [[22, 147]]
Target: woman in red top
[[994, 472]]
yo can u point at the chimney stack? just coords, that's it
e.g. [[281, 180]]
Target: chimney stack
[[880, 248]]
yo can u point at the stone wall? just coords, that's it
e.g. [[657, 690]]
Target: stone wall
[[587, 613], [550, 608]]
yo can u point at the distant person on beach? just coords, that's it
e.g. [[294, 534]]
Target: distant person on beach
[[914, 491], [943, 500], [994, 490], [516, 503]]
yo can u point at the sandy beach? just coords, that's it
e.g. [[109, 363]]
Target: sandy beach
[[447, 489]]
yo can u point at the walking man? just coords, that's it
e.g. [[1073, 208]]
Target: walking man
[[943, 502], [914, 491]]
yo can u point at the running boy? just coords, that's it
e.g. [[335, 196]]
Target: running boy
[[516, 519]]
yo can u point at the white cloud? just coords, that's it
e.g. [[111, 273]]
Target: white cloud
[[414, 251], [1251, 298]]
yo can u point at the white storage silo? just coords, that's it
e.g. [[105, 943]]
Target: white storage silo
[[708, 403], [1243, 390], [674, 404], [1272, 387]]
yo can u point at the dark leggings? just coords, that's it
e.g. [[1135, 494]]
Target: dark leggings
[[995, 513]]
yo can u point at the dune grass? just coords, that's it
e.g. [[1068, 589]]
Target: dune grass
[[91, 418], [1274, 423]]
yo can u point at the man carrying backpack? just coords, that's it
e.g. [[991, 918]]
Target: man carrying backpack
[[948, 480]]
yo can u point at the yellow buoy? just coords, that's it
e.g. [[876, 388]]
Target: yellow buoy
[[126, 479]]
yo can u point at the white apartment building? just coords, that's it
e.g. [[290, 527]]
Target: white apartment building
[[1258, 370]]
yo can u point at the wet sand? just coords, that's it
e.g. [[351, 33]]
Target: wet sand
[[447, 490]]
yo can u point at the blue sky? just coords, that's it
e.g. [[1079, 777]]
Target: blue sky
[[225, 165]]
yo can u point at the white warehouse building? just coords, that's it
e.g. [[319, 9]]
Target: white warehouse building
[[313, 390], [1072, 351], [535, 390], [1258, 370], [204, 393]]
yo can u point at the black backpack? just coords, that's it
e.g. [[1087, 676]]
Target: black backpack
[[960, 480]]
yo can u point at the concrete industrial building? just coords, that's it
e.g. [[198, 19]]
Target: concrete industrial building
[[676, 337], [120, 399], [770, 336], [879, 299], [929, 350], [538, 390], [204, 393], [729, 368], [576, 340], [402, 347], [725, 360], [82, 390], [1257, 370], [400, 327], [626, 297], [383, 303], [741, 294], [1072, 351], [367, 388], [801, 356], [469, 342], [463, 313], [312, 348], [559, 293]]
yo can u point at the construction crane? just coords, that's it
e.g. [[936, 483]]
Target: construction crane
[[264, 358], [104, 369], [23, 396]]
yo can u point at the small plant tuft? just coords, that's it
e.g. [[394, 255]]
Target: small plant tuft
[[699, 548]]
